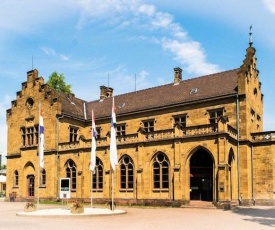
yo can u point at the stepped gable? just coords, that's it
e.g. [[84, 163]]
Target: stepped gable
[[186, 91]]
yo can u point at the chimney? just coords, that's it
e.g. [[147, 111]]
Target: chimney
[[177, 75], [32, 75], [105, 92]]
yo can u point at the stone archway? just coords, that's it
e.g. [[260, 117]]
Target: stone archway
[[201, 176]]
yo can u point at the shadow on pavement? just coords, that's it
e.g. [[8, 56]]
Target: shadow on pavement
[[260, 215]]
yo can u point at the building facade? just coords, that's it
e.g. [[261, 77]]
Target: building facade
[[195, 139]]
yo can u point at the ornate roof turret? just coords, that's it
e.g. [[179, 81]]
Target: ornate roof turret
[[249, 63]]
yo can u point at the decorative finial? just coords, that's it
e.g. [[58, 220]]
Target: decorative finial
[[250, 36]]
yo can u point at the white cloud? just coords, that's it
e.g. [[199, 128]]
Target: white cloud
[[173, 39], [64, 57], [191, 55], [270, 5], [48, 51], [51, 52], [146, 9]]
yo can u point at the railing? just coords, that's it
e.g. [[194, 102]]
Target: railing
[[69, 145], [263, 136], [159, 135], [127, 139], [200, 130], [232, 131]]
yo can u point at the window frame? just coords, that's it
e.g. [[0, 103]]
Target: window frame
[[43, 177], [178, 119], [121, 129], [161, 172], [98, 176], [73, 133], [70, 169], [214, 119], [149, 125], [127, 174], [16, 179], [29, 136]]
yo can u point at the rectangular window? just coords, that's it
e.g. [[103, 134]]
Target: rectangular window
[[43, 177], [98, 133], [73, 134], [29, 136], [148, 126], [121, 130], [23, 136], [181, 120], [214, 115]]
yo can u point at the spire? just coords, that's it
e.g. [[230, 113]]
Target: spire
[[250, 36]]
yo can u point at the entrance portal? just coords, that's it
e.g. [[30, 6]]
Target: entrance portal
[[201, 176]]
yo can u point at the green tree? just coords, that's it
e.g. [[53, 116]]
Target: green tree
[[57, 81], [3, 167]]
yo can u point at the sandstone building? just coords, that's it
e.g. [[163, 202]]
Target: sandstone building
[[196, 139]]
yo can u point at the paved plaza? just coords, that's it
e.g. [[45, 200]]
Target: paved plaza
[[248, 218]]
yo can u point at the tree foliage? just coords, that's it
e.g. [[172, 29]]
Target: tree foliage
[[57, 81], [3, 167]]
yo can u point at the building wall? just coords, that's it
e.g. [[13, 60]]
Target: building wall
[[235, 178]]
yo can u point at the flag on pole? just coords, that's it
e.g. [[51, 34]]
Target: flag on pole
[[93, 154], [41, 139], [113, 147]]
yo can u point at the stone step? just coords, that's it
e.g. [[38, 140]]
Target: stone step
[[199, 204]]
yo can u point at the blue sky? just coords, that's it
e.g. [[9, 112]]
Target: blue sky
[[89, 40]]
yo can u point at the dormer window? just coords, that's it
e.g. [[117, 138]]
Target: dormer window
[[193, 90]]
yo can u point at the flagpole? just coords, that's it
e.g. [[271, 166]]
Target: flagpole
[[91, 189], [93, 154], [112, 190], [113, 151]]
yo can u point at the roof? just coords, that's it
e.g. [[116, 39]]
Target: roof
[[186, 91]]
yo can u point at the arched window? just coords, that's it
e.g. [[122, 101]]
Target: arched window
[[160, 172], [43, 177], [16, 179], [98, 176], [71, 173], [126, 173]]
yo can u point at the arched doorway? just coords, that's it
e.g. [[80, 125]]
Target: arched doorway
[[30, 186], [201, 176]]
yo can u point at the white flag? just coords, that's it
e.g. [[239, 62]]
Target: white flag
[[41, 139], [93, 154], [113, 147]]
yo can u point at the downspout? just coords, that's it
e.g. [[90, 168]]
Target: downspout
[[238, 149], [57, 156], [252, 174]]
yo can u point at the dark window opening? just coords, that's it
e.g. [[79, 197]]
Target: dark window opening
[[73, 134], [126, 173], [160, 172], [98, 176], [71, 173]]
